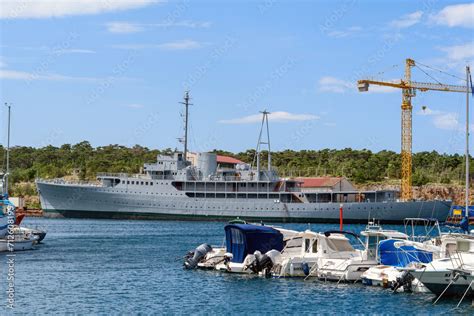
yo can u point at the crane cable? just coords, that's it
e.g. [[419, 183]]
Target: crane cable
[[428, 74], [384, 71], [439, 70]]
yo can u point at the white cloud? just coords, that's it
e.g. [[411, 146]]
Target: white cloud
[[428, 112], [446, 121], [129, 27], [455, 15], [29, 76], [175, 45], [459, 52], [407, 20], [279, 116], [180, 45], [346, 32], [123, 27], [186, 23], [335, 85], [13, 9], [332, 84], [74, 51]]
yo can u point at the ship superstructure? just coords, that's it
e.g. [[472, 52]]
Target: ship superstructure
[[174, 188]]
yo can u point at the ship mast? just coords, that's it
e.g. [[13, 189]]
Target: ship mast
[[186, 119], [260, 142]]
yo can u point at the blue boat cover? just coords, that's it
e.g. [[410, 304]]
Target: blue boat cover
[[245, 239], [403, 255]]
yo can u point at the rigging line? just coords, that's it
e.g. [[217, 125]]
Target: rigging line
[[384, 71], [428, 74], [441, 71]]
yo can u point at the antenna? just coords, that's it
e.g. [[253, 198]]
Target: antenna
[[265, 114], [186, 119]]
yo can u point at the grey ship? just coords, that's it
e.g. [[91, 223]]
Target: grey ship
[[174, 188]]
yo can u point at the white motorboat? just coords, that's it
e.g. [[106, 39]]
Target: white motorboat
[[453, 274], [17, 242], [396, 250], [40, 234], [328, 256], [249, 249], [11, 238]]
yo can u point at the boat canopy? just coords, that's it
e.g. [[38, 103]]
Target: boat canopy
[[245, 239], [399, 253]]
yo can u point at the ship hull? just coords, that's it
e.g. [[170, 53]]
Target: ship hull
[[86, 201]]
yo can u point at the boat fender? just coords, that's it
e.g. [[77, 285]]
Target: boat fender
[[199, 253], [305, 268], [228, 257]]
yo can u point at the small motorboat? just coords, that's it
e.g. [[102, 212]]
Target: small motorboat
[[18, 244], [452, 275], [328, 256], [38, 233], [398, 255], [17, 229], [250, 249], [12, 239]]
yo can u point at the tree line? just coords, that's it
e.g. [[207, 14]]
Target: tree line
[[361, 166]]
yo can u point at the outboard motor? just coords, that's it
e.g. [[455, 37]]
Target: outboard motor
[[261, 263], [405, 280], [193, 258]]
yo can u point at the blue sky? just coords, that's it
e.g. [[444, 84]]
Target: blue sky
[[114, 72]]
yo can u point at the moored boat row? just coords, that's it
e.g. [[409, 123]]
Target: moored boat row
[[441, 263]]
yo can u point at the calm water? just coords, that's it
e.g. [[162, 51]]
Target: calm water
[[103, 267]]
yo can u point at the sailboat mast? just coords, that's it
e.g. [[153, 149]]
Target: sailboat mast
[[467, 141], [8, 149]]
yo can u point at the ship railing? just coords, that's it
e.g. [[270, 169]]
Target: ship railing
[[69, 182], [122, 175]]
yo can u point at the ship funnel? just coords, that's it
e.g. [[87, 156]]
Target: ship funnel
[[207, 164]]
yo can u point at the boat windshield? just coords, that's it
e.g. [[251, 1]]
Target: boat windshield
[[340, 245], [294, 242]]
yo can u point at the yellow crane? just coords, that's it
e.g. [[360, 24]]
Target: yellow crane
[[409, 88]]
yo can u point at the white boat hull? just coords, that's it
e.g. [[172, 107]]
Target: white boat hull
[[17, 245]]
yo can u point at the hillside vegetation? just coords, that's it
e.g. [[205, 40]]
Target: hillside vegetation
[[82, 161]]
